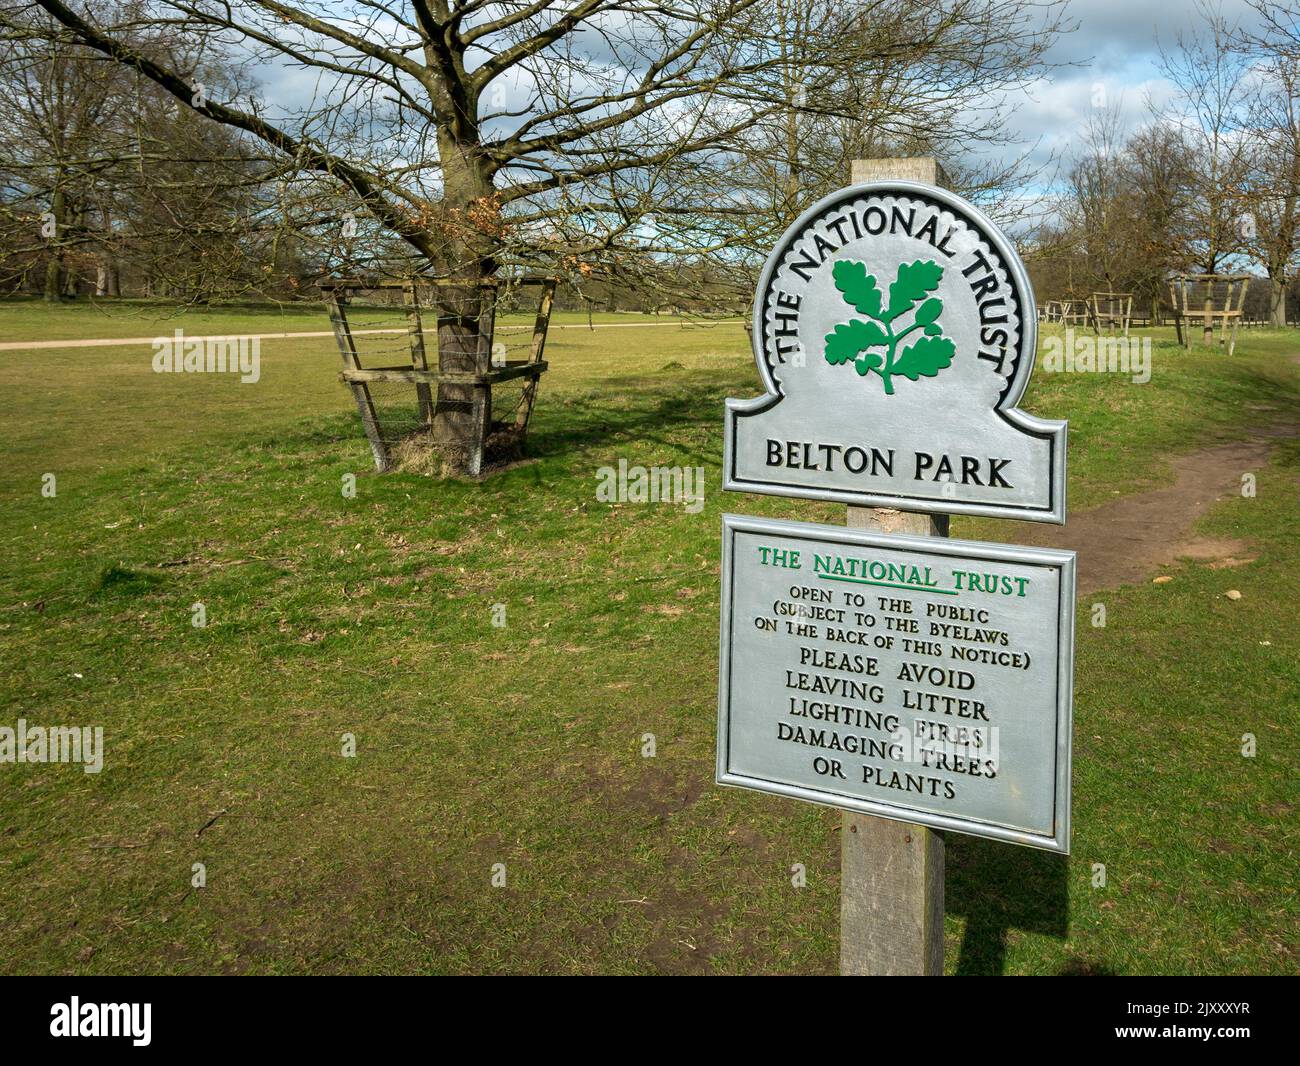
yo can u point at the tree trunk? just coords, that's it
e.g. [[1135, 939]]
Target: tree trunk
[[107, 279], [462, 415], [460, 421], [1277, 301], [54, 279]]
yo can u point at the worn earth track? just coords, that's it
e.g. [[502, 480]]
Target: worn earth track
[[1131, 539]]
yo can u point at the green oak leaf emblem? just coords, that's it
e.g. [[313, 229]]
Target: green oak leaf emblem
[[853, 341]]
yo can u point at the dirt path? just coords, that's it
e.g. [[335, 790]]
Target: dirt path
[[1129, 540], [110, 342]]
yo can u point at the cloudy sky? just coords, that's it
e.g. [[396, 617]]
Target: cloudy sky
[[1117, 47]]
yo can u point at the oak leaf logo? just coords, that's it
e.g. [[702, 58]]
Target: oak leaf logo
[[857, 340]]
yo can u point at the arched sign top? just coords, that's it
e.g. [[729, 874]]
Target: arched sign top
[[895, 331]]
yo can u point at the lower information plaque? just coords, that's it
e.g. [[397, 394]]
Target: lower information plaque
[[914, 678]]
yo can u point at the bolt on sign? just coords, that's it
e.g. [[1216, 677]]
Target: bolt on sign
[[895, 332], [913, 678]]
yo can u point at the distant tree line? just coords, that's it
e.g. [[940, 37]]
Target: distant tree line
[[648, 155], [1209, 185]]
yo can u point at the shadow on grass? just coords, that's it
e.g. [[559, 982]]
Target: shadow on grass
[[635, 412], [645, 418], [999, 887], [1279, 390]]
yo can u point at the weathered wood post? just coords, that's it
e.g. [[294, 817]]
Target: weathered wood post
[[419, 360], [891, 873], [336, 298]]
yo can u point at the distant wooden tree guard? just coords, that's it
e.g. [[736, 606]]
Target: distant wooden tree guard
[[400, 431], [1213, 299], [1062, 312], [1074, 312], [1111, 311]]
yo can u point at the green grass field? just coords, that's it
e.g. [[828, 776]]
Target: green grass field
[[521, 745]]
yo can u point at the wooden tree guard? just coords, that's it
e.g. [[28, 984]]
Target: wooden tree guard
[[1196, 296], [1072, 311], [1111, 311], [1066, 312], [425, 380]]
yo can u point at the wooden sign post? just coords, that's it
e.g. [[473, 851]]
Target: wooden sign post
[[922, 685], [880, 859]]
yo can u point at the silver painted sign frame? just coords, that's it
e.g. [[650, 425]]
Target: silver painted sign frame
[[1059, 840], [1006, 406]]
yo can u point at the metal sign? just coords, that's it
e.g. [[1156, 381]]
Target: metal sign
[[913, 678], [895, 331]]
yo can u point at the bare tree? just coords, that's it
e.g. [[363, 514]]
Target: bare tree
[[1158, 181], [102, 171], [1123, 222], [1280, 34], [1273, 174], [901, 78], [1098, 208], [1210, 77], [55, 109], [584, 135]]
